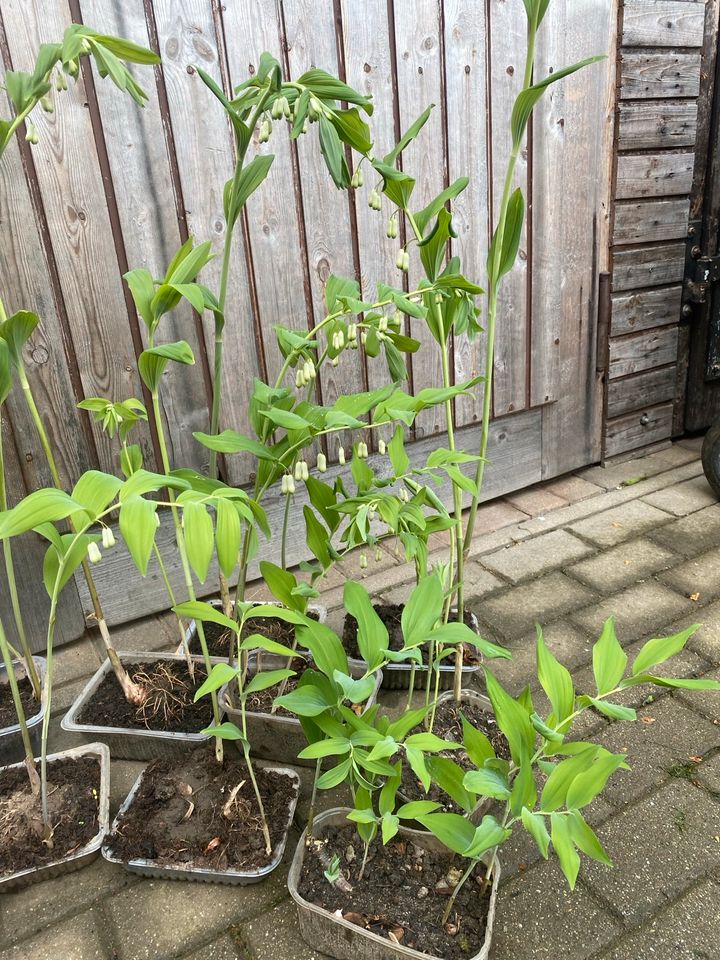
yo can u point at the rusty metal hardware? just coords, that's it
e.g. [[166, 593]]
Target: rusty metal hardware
[[603, 321]]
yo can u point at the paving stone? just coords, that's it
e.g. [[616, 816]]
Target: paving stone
[[533, 557], [677, 455], [617, 568], [568, 643], [659, 847], [29, 911], [76, 939], [698, 575], [706, 702], [516, 610], [624, 522], [686, 930], [276, 934], [691, 535], [692, 443], [573, 488], [638, 611], [535, 501], [683, 498], [75, 661], [152, 633], [539, 917], [495, 515], [706, 640], [480, 582], [708, 774], [619, 473], [224, 948], [657, 751]]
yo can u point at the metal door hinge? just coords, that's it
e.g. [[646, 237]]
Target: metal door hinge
[[700, 272]]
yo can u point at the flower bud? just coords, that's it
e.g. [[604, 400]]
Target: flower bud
[[354, 182], [31, 134], [374, 201], [298, 470], [265, 130], [157, 520], [299, 379], [378, 555], [363, 561], [363, 337], [382, 324], [290, 484], [73, 67], [47, 104], [400, 260], [406, 261], [283, 484], [308, 371], [305, 126], [85, 46], [335, 361], [438, 297], [305, 471], [321, 462], [60, 81], [381, 447], [287, 109], [93, 552], [315, 109], [392, 228], [276, 111], [341, 455], [108, 540]]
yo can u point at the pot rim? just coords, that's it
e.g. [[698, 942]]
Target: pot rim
[[32, 721]]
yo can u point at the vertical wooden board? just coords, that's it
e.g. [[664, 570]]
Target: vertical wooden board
[[250, 28], [150, 231], [577, 116], [204, 146], [420, 83], [27, 286], [311, 42], [466, 95], [507, 65], [70, 185], [368, 65]]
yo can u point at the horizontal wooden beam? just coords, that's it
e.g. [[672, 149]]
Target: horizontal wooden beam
[[664, 23], [636, 392], [648, 266], [654, 175], [638, 429], [651, 220], [645, 76], [646, 309], [657, 125], [642, 351]]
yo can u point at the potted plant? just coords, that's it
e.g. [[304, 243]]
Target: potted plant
[[359, 909]]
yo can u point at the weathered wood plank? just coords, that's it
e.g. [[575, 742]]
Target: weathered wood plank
[[638, 429], [656, 125], [642, 351], [507, 65], [186, 36], [150, 232], [419, 83], [650, 220], [514, 460], [648, 266], [654, 175], [646, 76], [71, 188], [466, 93], [310, 37], [641, 390], [649, 308], [664, 23]]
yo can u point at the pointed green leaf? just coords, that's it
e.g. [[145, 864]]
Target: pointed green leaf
[[535, 826], [138, 528], [564, 848], [609, 659], [661, 649]]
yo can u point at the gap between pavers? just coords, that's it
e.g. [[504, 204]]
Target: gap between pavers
[[684, 498], [691, 535]]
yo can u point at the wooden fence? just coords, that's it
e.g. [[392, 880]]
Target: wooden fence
[[110, 187]]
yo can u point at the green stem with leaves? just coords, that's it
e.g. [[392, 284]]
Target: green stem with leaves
[[17, 702]]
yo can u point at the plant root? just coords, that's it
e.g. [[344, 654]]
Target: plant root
[[231, 801], [166, 695]]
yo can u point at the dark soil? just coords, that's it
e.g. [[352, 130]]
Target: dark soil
[[169, 706], [219, 640], [448, 725], [402, 895], [186, 813], [390, 614], [8, 717], [73, 794]]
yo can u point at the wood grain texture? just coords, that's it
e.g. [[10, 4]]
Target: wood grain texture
[[72, 194], [642, 351], [186, 36], [650, 220], [640, 390], [647, 76], [638, 429], [507, 66], [466, 94], [648, 266], [654, 175], [648, 308], [150, 232], [663, 23], [657, 125], [420, 83]]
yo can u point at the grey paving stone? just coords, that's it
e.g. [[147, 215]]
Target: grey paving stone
[[224, 948], [692, 443], [708, 774], [619, 473], [480, 582], [683, 498], [538, 555], [638, 611], [697, 575], [659, 745], [75, 661], [617, 568], [677, 455], [76, 939], [567, 642], [659, 847], [537, 500], [276, 934], [539, 917], [124, 775], [686, 930], [691, 535], [625, 522], [495, 515], [573, 488], [516, 610]]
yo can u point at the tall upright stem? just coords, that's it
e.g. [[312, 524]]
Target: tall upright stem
[[17, 702]]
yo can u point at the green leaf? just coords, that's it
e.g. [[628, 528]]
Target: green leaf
[[34, 509], [317, 538], [5, 372], [535, 826], [703, 683], [72, 551], [152, 362], [227, 535], [418, 767], [335, 775], [286, 419], [564, 847], [17, 329], [406, 722], [453, 831], [198, 532], [138, 528], [585, 839], [229, 441], [397, 186], [422, 610], [330, 747], [487, 783], [417, 808], [449, 776], [587, 785], [407, 138], [225, 731], [220, 674], [144, 481], [372, 634], [513, 720], [613, 710], [281, 583], [252, 175], [430, 742], [206, 612], [305, 701], [558, 783], [659, 650], [488, 834], [549, 733], [95, 491], [332, 150], [256, 641], [325, 646], [609, 659], [477, 745], [424, 216], [555, 680], [142, 289], [512, 234], [266, 679]]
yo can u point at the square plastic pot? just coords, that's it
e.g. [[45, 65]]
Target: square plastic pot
[[11, 745], [138, 743], [272, 736], [89, 852], [337, 937], [150, 868]]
